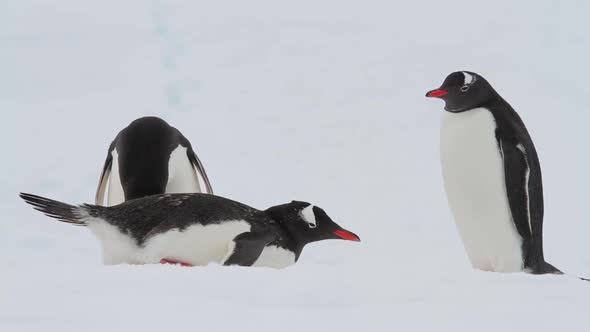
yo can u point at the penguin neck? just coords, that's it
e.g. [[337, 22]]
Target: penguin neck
[[291, 240], [495, 101]]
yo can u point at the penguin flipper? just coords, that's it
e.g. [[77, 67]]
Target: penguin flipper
[[525, 197], [247, 247], [199, 169], [196, 163], [104, 177], [516, 168]]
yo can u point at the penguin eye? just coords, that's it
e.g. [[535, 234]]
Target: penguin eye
[[464, 88], [312, 225]]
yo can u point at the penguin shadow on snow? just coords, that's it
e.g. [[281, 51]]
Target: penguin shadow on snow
[[492, 177]]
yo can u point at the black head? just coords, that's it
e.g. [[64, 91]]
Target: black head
[[463, 90], [307, 223]]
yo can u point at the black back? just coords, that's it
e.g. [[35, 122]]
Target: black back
[[144, 149], [147, 216]]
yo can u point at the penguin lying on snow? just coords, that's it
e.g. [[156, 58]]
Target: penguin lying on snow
[[197, 229], [146, 158], [492, 177]]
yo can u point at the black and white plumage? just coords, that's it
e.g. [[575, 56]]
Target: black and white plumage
[[146, 158], [198, 229], [492, 177]]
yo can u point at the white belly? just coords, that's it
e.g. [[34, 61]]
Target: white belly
[[117, 248], [197, 244], [276, 257], [474, 181]]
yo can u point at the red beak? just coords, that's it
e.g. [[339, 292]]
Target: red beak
[[346, 235], [437, 93]]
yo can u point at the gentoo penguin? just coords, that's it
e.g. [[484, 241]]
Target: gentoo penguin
[[149, 157], [492, 177], [197, 229]]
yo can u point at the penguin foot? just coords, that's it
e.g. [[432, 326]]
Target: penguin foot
[[174, 262]]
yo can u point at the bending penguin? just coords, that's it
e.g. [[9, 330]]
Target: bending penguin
[[197, 229], [492, 177], [146, 158]]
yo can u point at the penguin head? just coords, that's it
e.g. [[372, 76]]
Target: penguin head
[[462, 91], [308, 223]]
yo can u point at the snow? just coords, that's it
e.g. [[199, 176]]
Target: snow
[[319, 101]]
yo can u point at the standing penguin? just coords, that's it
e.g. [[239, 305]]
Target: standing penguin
[[197, 229], [149, 157], [492, 177]]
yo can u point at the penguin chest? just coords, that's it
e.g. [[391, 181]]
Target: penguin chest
[[197, 244], [116, 195], [182, 177], [474, 181], [275, 257]]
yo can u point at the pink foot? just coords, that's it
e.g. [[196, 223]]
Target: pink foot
[[174, 262]]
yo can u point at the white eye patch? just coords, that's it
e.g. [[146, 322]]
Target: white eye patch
[[308, 216], [468, 78]]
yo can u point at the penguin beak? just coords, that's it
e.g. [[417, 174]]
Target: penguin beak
[[346, 235], [436, 93]]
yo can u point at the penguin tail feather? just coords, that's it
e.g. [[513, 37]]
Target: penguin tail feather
[[75, 215]]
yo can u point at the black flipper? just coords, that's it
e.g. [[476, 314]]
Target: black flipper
[[200, 170], [196, 162], [525, 197], [515, 173], [248, 247]]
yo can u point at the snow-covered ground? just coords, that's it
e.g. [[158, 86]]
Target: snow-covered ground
[[320, 101]]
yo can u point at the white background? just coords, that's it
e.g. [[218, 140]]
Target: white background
[[321, 101]]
